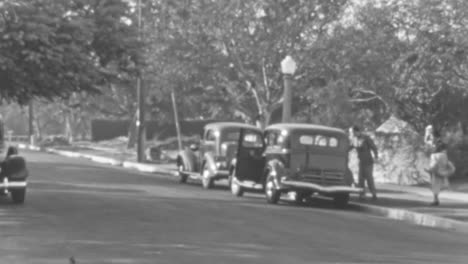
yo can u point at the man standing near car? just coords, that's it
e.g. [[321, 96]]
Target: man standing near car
[[364, 145]]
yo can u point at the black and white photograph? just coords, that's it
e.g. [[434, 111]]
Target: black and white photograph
[[233, 131]]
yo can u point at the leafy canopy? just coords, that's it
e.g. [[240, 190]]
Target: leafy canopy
[[51, 49]]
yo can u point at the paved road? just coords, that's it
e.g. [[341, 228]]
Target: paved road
[[100, 214]]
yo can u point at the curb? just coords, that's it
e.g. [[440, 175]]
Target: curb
[[141, 167], [145, 167], [414, 218]]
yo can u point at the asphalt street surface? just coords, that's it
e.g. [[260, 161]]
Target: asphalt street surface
[[103, 214]]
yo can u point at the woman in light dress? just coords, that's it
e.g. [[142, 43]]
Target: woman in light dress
[[440, 169]]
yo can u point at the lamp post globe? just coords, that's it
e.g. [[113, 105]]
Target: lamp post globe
[[288, 65]]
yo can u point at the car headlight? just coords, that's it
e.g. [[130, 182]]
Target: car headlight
[[224, 149]]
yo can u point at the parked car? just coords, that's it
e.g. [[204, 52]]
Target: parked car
[[13, 176], [301, 158], [209, 160]]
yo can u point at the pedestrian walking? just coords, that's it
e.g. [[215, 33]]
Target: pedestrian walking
[[440, 169], [364, 145]]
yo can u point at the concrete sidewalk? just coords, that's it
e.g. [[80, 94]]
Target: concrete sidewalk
[[412, 204], [404, 203], [104, 157]]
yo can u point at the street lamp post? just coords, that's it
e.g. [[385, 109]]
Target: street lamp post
[[288, 68], [141, 135]]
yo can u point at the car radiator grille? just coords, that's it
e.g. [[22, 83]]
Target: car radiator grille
[[323, 177]]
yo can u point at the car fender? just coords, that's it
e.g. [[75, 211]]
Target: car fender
[[232, 165], [275, 169], [210, 163], [189, 159]]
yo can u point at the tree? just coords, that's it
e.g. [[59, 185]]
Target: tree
[[433, 73], [51, 49], [234, 48]]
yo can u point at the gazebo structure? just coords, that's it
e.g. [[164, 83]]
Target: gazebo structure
[[402, 160]]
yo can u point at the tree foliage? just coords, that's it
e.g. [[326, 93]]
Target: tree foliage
[[234, 48], [358, 61], [51, 49]]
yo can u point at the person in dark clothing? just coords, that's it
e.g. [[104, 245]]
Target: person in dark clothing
[[364, 145]]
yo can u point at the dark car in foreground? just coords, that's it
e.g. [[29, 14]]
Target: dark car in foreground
[[301, 158], [13, 176]]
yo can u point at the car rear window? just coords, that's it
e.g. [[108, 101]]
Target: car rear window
[[316, 140], [231, 136], [252, 139]]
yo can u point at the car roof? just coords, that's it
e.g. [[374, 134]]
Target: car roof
[[222, 125], [302, 126]]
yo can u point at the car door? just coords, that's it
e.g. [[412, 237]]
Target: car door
[[250, 159]]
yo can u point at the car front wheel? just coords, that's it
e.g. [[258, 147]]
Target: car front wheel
[[182, 176], [207, 181], [271, 193], [18, 196], [236, 189]]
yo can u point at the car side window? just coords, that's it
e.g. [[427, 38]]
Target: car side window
[[210, 136]]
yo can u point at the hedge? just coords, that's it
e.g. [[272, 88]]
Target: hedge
[[102, 129]]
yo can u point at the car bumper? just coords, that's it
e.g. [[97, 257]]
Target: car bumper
[[320, 188], [220, 174], [9, 185]]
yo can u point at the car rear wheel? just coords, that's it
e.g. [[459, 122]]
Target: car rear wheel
[[300, 197], [341, 200], [271, 193], [236, 189], [180, 170], [207, 181], [18, 196]]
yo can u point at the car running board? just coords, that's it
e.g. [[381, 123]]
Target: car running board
[[249, 184]]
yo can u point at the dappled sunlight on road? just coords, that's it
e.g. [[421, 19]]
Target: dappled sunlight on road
[[101, 214]]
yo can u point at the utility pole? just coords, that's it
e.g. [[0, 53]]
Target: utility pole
[[176, 119], [141, 126], [31, 122]]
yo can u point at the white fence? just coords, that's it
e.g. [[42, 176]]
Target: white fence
[[16, 138]]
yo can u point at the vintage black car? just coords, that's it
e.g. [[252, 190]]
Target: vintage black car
[[13, 176], [301, 158], [209, 161]]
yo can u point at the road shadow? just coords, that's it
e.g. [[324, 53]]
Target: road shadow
[[198, 184], [63, 186], [312, 203], [6, 202]]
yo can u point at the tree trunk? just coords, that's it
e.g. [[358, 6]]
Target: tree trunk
[[132, 131], [266, 118], [68, 127], [37, 128]]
